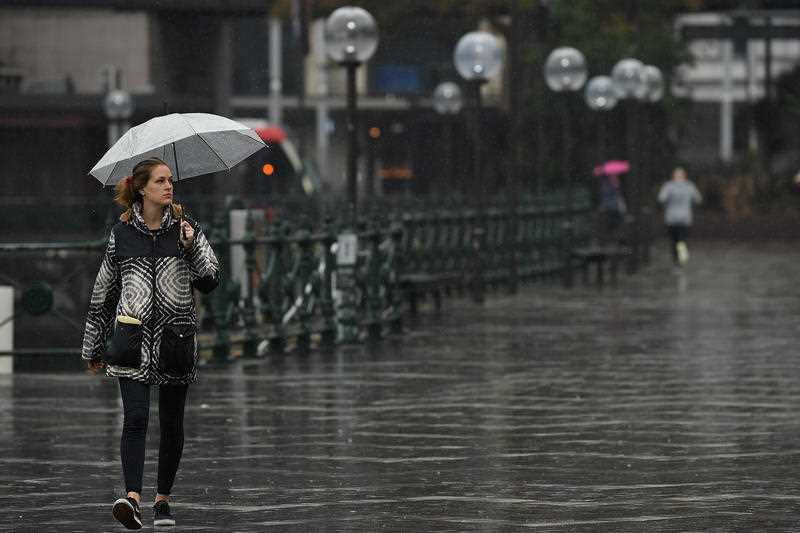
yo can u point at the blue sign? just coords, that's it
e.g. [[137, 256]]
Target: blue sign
[[398, 79]]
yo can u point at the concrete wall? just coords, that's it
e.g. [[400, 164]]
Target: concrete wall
[[50, 45]]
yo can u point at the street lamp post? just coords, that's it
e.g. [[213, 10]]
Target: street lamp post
[[447, 101], [351, 37], [118, 107], [565, 72], [601, 96], [478, 56], [629, 80], [654, 81]]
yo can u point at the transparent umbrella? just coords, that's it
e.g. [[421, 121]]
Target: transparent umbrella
[[191, 144]]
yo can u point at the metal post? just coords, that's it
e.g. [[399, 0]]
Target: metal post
[[446, 182], [113, 131], [647, 168], [321, 100], [602, 132], [635, 177], [566, 152], [768, 61], [479, 184], [6, 329], [767, 148], [566, 178], [369, 178], [250, 345], [352, 140], [726, 104], [515, 98], [541, 150], [752, 132], [275, 71]]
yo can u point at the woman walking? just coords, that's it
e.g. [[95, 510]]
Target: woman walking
[[143, 298]]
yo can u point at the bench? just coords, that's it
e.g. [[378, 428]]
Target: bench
[[416, 285], [600, 255]]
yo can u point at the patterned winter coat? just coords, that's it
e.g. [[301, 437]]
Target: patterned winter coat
[[148, 275]]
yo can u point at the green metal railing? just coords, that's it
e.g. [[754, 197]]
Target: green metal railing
[[297, 298]]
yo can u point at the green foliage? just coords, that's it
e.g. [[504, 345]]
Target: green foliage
[[609, 30]]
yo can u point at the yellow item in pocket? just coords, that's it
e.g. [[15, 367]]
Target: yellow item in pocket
[[125, 319]]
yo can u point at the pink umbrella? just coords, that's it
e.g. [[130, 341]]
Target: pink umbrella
[[612, 168]]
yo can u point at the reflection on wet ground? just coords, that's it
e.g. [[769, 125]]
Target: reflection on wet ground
[[666, 404]]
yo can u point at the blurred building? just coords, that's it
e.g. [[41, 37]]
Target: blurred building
[[62, 57], [735, 57], [59, 58]]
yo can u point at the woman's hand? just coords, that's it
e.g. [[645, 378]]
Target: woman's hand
[[187, 235], [94, 365]]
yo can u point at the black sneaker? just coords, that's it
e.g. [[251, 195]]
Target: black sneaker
[[161, 514], [127, 513]]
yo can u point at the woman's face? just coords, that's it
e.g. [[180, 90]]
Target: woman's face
[[159, 187]]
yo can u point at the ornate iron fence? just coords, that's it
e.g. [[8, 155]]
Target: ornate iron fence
[[294, 295]]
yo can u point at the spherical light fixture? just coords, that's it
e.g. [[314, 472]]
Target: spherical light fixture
[[654, 81], [628, 76], [118, 105], [601, 95], [478, 56], [565, 69], [447, 99], [351, 35]]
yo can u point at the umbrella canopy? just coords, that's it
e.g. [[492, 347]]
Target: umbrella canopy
[[612, 168], [191, 144]]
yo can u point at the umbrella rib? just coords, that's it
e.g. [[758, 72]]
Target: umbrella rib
[[175, 157], [111, 174], [213, 151]]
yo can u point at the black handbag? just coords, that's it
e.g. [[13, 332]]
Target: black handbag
[[125, 348], [176, 355]]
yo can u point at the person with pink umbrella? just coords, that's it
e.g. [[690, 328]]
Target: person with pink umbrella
[[612, 202]]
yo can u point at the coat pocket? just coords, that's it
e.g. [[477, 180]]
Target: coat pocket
[[176, 356], [126, 345]]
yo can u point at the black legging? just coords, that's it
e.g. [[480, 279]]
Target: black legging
[[136, 403], [677, 233]]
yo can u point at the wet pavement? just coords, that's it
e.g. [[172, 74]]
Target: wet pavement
[[668, 403]]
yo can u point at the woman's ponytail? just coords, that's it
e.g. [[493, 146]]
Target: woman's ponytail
[[124, 195]]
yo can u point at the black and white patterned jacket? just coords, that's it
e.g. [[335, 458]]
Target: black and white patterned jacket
[[149, 276]]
